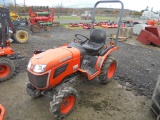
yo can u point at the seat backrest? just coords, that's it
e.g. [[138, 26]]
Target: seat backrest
[[98, 36]]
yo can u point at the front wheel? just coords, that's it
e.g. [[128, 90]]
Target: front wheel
[[108, 70], [64, 102], [7, 68]]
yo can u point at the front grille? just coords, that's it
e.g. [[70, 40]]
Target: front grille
[[60, 70], [38, 81]]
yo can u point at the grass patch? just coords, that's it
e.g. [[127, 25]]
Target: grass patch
[[79, 18]]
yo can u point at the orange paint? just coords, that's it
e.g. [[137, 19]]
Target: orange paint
[[104, 57], [4, 71], [2, 112], [6, 51], [67, 104], [63, 55]]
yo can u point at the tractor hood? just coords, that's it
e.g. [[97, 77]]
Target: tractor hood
[[51, 57]]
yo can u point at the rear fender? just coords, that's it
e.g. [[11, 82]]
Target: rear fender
[[2, 112], [101, 59], [99, 63], [6, 51]]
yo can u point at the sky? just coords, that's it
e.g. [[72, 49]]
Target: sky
[[128, 4]]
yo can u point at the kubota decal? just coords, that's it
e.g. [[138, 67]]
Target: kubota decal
[[65, 59]]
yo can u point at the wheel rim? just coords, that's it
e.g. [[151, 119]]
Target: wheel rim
[[4, 70], [67, 104], [35, 29], [22, 36], [48, 28], [111, 70]]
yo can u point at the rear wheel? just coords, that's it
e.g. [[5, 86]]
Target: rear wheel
[[108, 70], [35, 29], [47, 28], [64, 102], [21, 36], [7, 69]]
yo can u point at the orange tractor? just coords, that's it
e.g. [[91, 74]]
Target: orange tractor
[[7, 67], [55, 70]]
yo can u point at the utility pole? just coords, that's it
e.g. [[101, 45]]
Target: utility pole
[[25, 9], [4, 3], [15, 5], [24, 6]]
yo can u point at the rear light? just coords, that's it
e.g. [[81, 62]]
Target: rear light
[[111, 43]]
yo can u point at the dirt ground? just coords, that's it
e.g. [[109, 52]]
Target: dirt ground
[[96, 102], [119, 100]]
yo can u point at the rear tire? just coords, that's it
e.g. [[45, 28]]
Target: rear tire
[[155, 103], [7, 68], [21, 36], [47, 28], [35, 29], [64, 102], [108, 70]]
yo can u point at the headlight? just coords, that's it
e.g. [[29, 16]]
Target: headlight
[[39, 68], [29, 65]]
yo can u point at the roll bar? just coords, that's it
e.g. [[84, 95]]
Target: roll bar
[[120, 17]]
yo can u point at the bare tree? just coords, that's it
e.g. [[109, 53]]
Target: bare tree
[[59, 9]]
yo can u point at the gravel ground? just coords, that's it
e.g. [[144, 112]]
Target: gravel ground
[[138, 70]]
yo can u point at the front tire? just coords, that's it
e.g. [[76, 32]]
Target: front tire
[[64, 102], [7, 68], [108, 70]]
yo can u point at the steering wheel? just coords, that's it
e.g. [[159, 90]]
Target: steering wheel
[[82, 38]]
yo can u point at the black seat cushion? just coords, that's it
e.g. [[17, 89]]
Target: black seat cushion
[[97, 40]]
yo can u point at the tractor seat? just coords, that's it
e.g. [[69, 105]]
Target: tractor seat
[[97, 40]]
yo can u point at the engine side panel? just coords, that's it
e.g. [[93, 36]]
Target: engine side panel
[[65, 68]]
